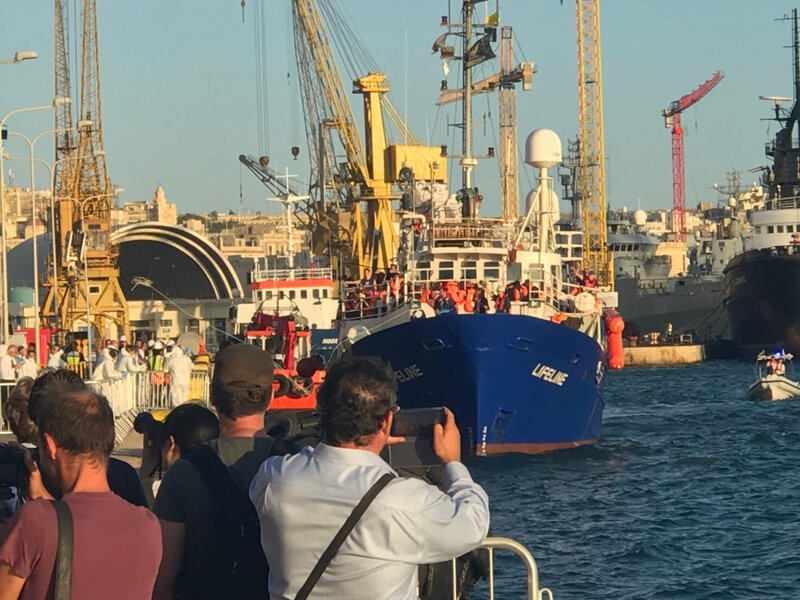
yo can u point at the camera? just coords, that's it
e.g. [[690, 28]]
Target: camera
[[148, 426], [416, 425], [13, 472], [417, 422]]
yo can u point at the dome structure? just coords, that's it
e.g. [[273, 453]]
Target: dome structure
[[179, 262]]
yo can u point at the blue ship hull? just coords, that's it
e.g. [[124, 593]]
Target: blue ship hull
[[515, 383]]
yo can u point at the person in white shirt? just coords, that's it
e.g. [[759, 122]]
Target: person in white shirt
[[56, 358], [29, 368], [131, 362], [8, 363], [107, 369], [179, 368], [303, 500]]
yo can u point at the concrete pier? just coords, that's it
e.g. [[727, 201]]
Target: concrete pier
[[650, 356]]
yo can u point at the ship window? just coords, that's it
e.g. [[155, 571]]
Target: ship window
[[491, 270], [268, 295], [770, 229], [446, 269], [758, 229], [281, 295], [779, 229], [790, 229], [140, 324], [315, 294], [291, 295], [469, 270], [324, 293], [303, 294]]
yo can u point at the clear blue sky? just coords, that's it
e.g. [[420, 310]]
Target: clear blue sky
[[178, 84]]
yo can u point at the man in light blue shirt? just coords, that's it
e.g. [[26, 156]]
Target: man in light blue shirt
[[303, 500]]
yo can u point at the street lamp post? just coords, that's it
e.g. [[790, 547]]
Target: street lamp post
[[51, 169], [31, 145], [19, 57], [3, 246]]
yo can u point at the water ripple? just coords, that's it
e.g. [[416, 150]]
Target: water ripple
[[692, 493]]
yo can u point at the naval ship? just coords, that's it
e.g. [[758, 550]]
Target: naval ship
[[762, 285]]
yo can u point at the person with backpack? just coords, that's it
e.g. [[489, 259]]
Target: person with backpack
[[210, 529]]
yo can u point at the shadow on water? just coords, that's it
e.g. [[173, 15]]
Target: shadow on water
[[691, 493]]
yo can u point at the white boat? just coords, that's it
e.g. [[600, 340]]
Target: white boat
[[772, 382]]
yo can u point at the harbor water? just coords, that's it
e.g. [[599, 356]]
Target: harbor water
[[693, 492]]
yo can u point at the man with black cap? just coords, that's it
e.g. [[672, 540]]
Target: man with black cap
[[209, 527]]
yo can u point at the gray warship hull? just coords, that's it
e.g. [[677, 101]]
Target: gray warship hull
[[691, 304]]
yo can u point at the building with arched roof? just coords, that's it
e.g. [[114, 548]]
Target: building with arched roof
[[174, 280]]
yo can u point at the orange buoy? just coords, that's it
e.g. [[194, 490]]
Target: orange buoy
[[614, 327]]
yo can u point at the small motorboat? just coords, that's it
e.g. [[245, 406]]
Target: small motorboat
[[772, 382]]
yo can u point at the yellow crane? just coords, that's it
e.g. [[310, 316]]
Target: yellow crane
[[83, 288], [354, 172], [592, 151]]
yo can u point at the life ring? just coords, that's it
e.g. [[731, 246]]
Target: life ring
[[284, 385], [281, 424]]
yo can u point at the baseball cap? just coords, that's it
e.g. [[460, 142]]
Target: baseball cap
[[243, 368]]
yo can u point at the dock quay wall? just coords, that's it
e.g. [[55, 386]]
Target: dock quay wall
[[650, 356]]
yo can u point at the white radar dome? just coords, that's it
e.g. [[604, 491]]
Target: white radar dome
[[732, 202], [529, 200], [639, 217], [543, 149]]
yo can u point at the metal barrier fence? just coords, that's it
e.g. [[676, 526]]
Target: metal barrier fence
[[5, 388], [147, 390], [136, 392], [533, 591]]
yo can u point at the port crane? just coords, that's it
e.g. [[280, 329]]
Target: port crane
[[83, 286], [672, 118], [354, 173], [592, 167]]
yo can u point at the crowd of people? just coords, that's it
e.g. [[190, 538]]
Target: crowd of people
[[374, 292], [238, 514]]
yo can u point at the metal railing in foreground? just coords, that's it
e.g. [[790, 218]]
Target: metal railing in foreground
[[534, 592]]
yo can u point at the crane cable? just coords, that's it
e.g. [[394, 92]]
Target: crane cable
[[262, 76]]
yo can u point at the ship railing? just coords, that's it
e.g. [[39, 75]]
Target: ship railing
[[145, 390], [789, 202], [470, 233], [291, 274], [368, 300], [490, 544]]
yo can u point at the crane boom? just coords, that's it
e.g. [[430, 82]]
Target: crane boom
[[592, 147], [369, 168], [672, 118]]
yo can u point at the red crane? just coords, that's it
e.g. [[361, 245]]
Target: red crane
[[672, 118]]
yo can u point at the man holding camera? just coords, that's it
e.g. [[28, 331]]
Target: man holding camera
[[303, 500], [114, 545]]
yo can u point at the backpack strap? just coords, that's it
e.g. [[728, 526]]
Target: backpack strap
[[63, 566], [341, 536], [215, 475]]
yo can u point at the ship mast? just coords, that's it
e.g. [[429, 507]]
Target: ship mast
[[468, 162]]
